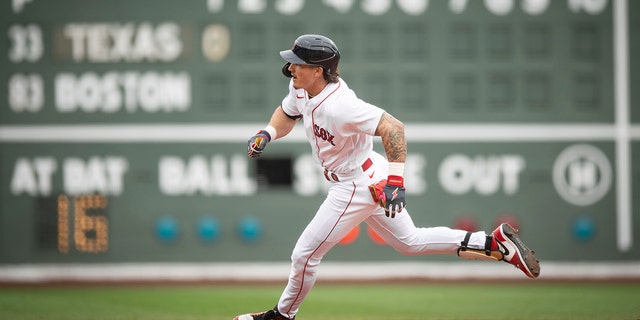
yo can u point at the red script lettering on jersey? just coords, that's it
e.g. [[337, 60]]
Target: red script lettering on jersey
[[323, 134]]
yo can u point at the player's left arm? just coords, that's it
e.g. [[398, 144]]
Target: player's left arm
[[391, 131]]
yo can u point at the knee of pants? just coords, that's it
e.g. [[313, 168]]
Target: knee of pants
[[407, 246], [304, 261], [406, 249], [416, 249]]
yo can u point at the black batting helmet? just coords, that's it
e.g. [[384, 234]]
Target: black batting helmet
[[314, 50]]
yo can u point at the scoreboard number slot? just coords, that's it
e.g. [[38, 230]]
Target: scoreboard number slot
[[88, 229]]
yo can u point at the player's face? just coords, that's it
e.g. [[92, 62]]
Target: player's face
[[305, 76]]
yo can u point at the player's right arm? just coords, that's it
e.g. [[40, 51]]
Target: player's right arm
[[282, 122], [279, 126]]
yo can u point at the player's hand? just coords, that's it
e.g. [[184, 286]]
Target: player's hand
[[257, 143], [393, 198]]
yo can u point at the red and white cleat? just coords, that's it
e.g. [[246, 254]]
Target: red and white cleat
[[515, 251]]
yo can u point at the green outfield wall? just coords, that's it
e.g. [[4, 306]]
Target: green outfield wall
[[123, 124]]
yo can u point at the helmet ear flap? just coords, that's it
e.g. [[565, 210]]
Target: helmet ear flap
[[285, 70]]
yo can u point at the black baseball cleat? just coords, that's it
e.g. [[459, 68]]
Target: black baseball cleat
[[267, 315], [516, 252]]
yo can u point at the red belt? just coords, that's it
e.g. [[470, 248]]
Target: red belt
[[330, 176]]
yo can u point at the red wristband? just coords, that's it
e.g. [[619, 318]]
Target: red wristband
[[397, 181]]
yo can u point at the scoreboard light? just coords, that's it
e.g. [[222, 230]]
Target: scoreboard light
[[90, 231]]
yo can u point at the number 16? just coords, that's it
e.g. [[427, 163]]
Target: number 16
[[83, 224]]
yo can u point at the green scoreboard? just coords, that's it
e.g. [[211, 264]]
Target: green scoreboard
[[123, 124]]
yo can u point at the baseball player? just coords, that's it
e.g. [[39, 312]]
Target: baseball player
[[365, 186]]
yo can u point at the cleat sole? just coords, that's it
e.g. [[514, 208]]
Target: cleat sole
[[527, 256]]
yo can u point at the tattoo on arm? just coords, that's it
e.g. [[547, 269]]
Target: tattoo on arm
[[391, 131]]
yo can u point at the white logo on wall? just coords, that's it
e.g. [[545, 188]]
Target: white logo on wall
[[582, 174]]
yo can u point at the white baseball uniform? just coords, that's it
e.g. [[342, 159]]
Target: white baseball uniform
[[340, 128]]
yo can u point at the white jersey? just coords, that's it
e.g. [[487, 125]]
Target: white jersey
[[338, 125]]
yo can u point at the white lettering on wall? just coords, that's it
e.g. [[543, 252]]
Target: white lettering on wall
[[150, 92], [102, 175], [459, 174], [198, 174], [107, 42], [33, 176], [409, 7]]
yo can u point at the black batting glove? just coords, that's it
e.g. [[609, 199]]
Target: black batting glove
[[257, 143], [394, 199]]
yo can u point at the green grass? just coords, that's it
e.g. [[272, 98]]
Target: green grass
[[526, 300]]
